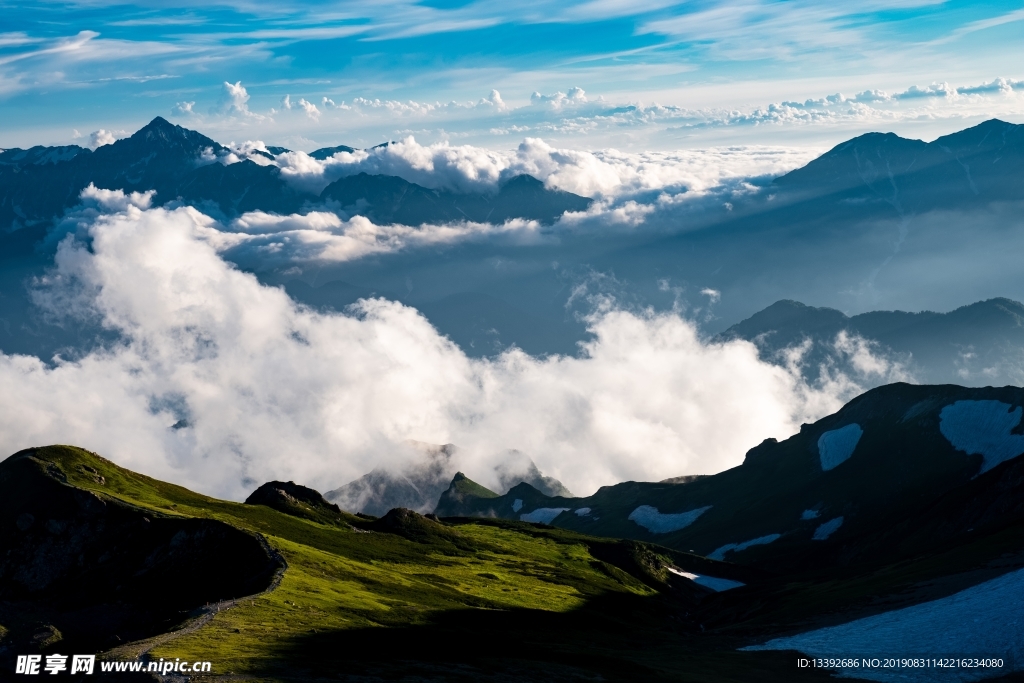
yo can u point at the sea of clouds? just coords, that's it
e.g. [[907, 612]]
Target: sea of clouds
[[652, 191], [607, 173], [219, 383]]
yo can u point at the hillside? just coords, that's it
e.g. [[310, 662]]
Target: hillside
[[906, 503], [888, 455], [455, 600], [906, 495]]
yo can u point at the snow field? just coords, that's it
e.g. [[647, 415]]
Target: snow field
[[542, 515], [835, 447], [986, 620], [983, 427], [827, 529], [719, 553], [712, 582], [649, 518]]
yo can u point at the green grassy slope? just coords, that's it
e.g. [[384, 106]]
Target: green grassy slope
[[463, 600]]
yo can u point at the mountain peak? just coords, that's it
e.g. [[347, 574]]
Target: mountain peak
[[163, 133], [161, 126], [992, 133], [159, 121]]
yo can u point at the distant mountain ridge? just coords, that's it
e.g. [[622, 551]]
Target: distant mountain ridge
[[399, 201], [975, 344], [419, 484], [39, 184], [981, 163]]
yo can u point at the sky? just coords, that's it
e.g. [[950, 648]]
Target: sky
[[595, 74]]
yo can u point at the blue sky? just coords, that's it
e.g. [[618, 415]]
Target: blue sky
[[359, 72]]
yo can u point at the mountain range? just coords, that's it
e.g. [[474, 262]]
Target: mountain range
[[878, 223], [37, 185], [418, 485]]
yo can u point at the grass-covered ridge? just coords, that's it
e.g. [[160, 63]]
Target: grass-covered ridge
[[455, 599]]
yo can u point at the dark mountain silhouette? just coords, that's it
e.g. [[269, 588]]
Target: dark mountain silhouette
[[866, 485], [388, 199], [328, 152]]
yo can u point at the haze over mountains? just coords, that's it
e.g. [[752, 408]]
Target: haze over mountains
[[884, 209], [975, 345], [419, 484]]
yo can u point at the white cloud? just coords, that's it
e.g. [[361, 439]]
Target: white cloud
[[310, 109], [575, 116], [713, 295], [606, 173], [494, 99], [235, 101], [183, 109], [264, 238], [575, 96], [101, 137], [866, 360], [272, 390]]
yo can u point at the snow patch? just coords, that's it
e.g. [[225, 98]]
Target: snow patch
[[809, 514], [984, 620], [719, 554], [712, 582], [827, 529], [517, 505], [542, 515], [835, 447], [657, 523], [583, 512], [983, 427]]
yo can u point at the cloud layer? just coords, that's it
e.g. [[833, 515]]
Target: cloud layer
[[634, 191], [601, 173], [220, 383]]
